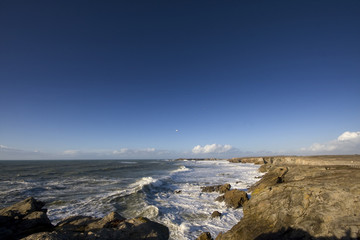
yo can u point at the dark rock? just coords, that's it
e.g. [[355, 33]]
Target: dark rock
[[220, 198], [22, 208], [216, 214], [28, 221], [234, 198], [217, 188], [205, 236], [24, 218]]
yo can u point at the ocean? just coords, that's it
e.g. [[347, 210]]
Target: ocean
[[166, 191]]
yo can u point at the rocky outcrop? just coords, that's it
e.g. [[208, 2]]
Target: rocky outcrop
[[303, 198], [217, 188], [325, 160], [234, 198], [216, 214], [113, 226], [23, 218], [28, 221], [257, 160], [205, 236]]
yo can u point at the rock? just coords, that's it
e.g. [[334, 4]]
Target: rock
[[234, 198], [255, 160], [112, 226], [24, 218], [217, 188], [303, 199], [216, 214], [111, 220], [49, 236], [22, 208], [205, 236], [28, 221]]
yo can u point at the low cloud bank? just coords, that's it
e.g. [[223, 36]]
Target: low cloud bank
[[346, 143]]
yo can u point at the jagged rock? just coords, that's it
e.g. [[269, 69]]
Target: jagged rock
[[205, 236], [20, 209], [119, 228], [28, 221], [111, 220], [24, 218], [234, 198], [217, 188], [303, 199], [216, 214]]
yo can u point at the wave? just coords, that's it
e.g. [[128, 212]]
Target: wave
[[181, 169]]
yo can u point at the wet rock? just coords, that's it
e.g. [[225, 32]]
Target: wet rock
[[217, 188], [216, 214], [205, 236], [234, 198]]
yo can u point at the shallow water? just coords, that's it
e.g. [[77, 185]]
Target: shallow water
[[162, 190]]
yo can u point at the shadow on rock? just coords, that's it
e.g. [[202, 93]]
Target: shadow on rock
[[298, 234]]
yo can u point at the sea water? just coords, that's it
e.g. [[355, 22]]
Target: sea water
[[166, 191]]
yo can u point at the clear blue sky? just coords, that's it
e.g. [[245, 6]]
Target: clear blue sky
[[115, 79]]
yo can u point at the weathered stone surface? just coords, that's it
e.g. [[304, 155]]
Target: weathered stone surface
[[216, 214], [22, 208], [110, 227], [23, 218], [303, 199], [217, 188], [28, 221], [255, 160], [111, 220], [234, 198], [205, 236]]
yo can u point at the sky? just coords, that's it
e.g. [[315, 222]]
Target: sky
[[167, 79]]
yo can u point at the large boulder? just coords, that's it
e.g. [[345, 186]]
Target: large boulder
[[24, 218], [205, 236], [234, 198], [217, 188]]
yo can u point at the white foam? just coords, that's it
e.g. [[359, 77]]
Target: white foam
[[181, 169], [187, 213]]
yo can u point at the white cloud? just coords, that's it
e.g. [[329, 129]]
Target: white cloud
[[349, 136], [211, 148], [3, 147], [346, 143]]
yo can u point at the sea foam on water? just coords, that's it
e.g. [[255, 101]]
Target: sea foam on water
[[168, 192]]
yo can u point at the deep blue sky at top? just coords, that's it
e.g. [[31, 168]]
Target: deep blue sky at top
[[258, 75]]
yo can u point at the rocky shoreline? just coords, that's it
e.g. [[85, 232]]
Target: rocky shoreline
[[27, 220], [315, 197]]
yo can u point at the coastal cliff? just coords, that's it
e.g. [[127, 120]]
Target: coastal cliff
[[314, 197]]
